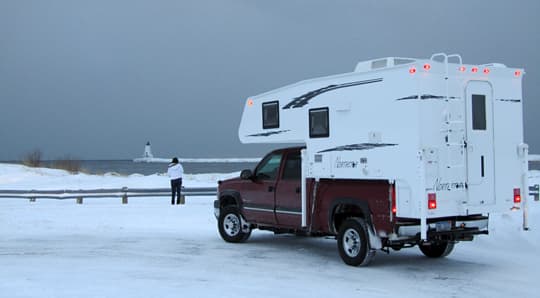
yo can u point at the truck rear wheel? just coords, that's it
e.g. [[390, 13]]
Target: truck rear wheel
[[436, 249], [353, 243], [230, 226]]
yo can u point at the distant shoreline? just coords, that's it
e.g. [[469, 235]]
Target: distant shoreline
[[196, 160], [157, 160]]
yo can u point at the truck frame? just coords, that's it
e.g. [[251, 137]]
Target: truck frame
[[400, 152]]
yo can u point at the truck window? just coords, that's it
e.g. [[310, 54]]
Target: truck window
[[269, 167], [270, 114], [318, 123], [292, 170]]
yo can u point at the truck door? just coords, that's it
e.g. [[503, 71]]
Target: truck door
[[480, 149], [258, 194], [288, 200]]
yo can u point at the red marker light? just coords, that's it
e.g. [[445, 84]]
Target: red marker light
[[427, 67], [462, 69], [432, 201], [486, 70], [474, 69], [250, 102], [393, 195], [517, 73], [517, 195], [412, 70]]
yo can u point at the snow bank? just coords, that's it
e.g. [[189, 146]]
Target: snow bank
[[19, 177]]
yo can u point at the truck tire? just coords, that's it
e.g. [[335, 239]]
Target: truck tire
[[436, 249], [230, 226], [353, 242]]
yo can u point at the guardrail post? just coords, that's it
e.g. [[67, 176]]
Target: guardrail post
[[182, 199], [79, 200], [125, 197]]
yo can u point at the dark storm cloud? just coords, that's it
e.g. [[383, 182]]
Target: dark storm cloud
[[97, 79]]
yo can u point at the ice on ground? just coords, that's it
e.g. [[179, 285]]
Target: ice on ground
[[148, 248]]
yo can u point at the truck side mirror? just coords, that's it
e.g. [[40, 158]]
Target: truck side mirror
[[246, 175]]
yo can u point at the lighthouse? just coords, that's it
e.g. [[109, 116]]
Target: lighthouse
[[147, 151]]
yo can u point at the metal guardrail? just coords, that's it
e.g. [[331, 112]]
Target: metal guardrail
[[126, 192], [123, 193]]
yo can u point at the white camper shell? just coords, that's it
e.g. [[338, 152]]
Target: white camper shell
[[449, 135]]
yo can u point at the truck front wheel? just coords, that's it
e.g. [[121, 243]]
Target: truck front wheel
[[230, 226], [353, 243], [436, 249]]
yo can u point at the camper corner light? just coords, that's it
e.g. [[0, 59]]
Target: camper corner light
[[432, 201], [517, 196]]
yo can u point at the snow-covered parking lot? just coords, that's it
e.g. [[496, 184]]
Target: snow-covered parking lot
[[148, 248]]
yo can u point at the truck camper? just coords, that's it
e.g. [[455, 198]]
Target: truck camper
[[400, 152]]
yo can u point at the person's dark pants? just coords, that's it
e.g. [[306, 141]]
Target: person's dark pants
[[176, 187]]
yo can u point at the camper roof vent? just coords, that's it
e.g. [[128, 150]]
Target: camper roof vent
[[381, 63], [497, 65]]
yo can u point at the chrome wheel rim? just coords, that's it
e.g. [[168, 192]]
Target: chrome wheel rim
[[231, 225], [351, 243]]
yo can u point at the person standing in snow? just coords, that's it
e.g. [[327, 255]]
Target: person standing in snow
[[175, 172]]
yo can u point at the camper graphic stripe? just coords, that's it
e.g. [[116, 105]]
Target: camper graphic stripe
[[304, 99], [355, 147]]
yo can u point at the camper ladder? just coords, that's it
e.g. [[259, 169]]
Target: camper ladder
[[452, 126]]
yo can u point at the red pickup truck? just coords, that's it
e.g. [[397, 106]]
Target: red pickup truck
[[360, 213]]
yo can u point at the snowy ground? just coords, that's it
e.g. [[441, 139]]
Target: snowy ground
[[149, 248]]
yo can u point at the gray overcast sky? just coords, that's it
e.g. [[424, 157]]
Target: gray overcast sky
[[97, 79]]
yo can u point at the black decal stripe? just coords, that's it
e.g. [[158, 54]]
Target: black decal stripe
[[408, 97], [267, 134], [304, 99], [509, 100], [356, 147], [427, 96], [430, 96]]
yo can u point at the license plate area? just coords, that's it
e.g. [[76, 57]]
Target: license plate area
[[442, 226]]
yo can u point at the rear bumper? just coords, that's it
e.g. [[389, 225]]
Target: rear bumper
[[459, 228]]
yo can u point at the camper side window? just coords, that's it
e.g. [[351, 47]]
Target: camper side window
[[318, 123], [270, 114], [479, 112]]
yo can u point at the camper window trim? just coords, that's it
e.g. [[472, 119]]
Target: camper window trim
[[270, 123], [312, 124]]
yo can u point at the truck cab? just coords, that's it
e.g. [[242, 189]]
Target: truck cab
[[268, 196]]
